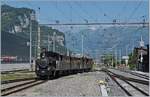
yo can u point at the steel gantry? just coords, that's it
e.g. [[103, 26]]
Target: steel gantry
[[102, 23]]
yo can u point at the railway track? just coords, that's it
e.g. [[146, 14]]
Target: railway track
[[145, 82], [14, 71], [137, 74], [21, 86], [17, 80], [134, 73], [127, 85]]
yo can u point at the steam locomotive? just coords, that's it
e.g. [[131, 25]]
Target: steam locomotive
[[53, 64]]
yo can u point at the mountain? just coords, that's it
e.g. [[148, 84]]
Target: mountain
[[101, 40], [13, 45], [15, 23]]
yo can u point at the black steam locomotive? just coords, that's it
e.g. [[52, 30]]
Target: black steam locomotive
[[52, 64]]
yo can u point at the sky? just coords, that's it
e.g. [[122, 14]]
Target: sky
[[77, 11]]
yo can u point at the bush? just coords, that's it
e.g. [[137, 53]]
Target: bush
[[132, 66]]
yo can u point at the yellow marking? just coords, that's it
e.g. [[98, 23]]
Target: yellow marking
[[101, 82]]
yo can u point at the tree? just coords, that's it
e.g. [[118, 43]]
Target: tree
[[132, 59], [108, 59]]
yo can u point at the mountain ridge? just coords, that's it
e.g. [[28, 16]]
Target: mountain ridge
[[15, 26]]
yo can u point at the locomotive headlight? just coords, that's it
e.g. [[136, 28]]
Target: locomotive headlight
[[48, 68], [43, 55], [37, 68]]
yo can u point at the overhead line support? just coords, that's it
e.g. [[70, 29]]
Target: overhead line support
[[132, 23]]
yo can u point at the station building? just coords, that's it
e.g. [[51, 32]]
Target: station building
[[142, 59]]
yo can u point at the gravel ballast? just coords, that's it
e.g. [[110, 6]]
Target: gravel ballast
[[81, 84]]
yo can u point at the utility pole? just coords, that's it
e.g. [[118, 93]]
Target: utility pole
[[116, 58], [126, 50], [127, 58], [54, 41], [133, 48], [38, 51], [48, 42], [120, 56], [30, 41], [112, 58], [31, 18], [82, 45]]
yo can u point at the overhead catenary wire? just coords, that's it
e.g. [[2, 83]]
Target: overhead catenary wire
[[70, 4], [71, 13], [122, 10], [100, 10], [61, 12], [134, 11], [84, 11]]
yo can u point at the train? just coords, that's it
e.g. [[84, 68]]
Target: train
[[52, 64]]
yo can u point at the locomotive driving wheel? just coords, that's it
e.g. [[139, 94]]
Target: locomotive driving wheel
[[52, 72]]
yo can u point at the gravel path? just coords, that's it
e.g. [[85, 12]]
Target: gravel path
[[84, 84]]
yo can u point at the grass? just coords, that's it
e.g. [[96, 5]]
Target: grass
[[17, 75], [21, 71]]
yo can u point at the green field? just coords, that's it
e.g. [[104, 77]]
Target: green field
[[17, 75]]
